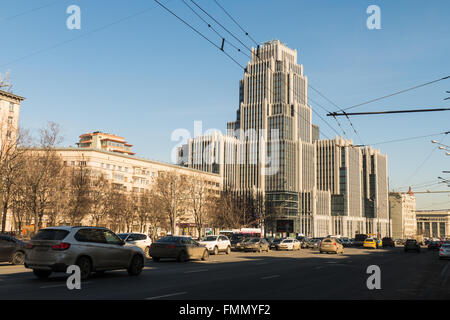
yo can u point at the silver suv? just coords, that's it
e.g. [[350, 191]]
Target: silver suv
[[93, 249]]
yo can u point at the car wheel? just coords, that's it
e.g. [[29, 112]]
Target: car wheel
[[228, 250], [259, 249], [18, 258], [85, 267], [182, 257], [206, 255], [216, 251], [147, 252], [136, 265], [42, 274], [156, 259]]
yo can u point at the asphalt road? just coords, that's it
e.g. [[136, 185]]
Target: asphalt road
[[275, 275]]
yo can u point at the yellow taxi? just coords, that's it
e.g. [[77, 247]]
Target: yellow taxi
[[372, 243]]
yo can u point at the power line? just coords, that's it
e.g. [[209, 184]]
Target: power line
[[199, 33], [229, 32], [396, 93], [212, 28], [406, 139], [62, 43], [246, 33], [334, 104], [335, 114], [29, 11], [425, 160]]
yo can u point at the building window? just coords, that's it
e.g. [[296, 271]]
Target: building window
[[11, 107]]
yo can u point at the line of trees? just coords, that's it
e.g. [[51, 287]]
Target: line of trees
[[38, 188]]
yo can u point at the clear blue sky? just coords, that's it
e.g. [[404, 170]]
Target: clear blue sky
[[144, 76]]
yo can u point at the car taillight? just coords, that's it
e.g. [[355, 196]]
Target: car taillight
[[334, 243], [441, 250], [172, 246], [28, 246], [61, 246]]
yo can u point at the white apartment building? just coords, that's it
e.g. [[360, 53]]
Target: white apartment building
[[402, 206], [9, 116]]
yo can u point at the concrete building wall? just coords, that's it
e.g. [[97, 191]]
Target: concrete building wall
[[403, 215]]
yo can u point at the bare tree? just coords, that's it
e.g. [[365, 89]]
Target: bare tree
[[11, 165], [197, 198], [100, 196], [150, 214], [42, 167], [78, 192], [170, 188]]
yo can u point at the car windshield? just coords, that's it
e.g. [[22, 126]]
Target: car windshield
[[287, 241], [446, 246], [123, 236], [209, 238], [253, 240], [50, 234], [276, 240]]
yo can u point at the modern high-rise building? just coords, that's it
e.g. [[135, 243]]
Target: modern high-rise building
[[315, 187]]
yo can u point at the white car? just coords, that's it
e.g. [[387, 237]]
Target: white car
[[288, 244], [216, 244], [140, 240], [444, 251]]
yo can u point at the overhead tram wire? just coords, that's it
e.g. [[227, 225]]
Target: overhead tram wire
[[212, 28], [406, 139], [29, 11], [199, 33], [426, 159], [334, 104], [246, 33], [396, 93], [228, 31]]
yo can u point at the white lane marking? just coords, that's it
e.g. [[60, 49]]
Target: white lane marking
[[167, 295], [63, 285], [194, 271], [270, 277]]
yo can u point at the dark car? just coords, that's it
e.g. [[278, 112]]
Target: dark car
[[235, 239], [412, 244], [11, 249], [273, 244], [178, 247], [434, 245], [388, 242], [313, 243]]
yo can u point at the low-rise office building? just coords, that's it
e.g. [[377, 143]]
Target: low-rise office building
[[433, 223], [402, 207]]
